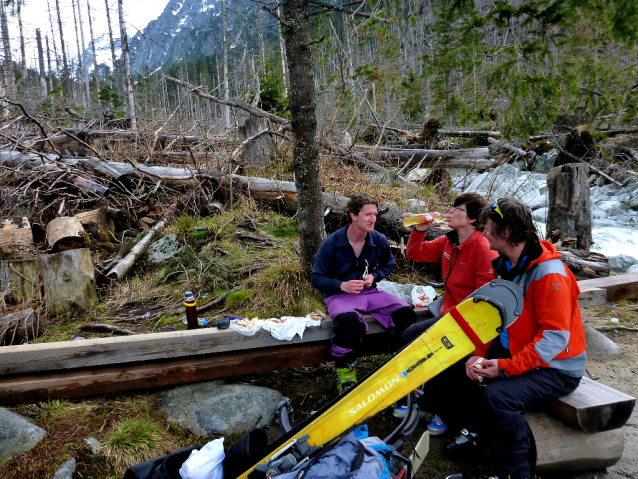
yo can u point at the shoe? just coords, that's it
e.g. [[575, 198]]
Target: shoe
[[346, 379], [401, 410], [436, 426]]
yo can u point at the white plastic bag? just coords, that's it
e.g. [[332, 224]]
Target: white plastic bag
[[423, 295], [205, 463], [246, 327], [285, 328]]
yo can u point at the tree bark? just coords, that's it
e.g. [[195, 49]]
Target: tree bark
[[15, 235], [9, 77], [43, 85], [20, 327], [304, 127], [127, 66], [112, 43], [96, 76], [83, 55], [65, 233], [225, 66], [66, 79], [122, 267], [260, 151], [465, 158], [569, 216], [69, 281], [23, 52]]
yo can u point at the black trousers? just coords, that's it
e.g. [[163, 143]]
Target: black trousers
[[494, 409]]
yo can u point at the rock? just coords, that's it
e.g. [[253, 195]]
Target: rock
[[543, 163], [507, 180], [414, 206], [66, 471], [164, 248], [386, 179], [17, 434], [401, 291], [418, 174], [633, 269], [94, 444], [598, 345], [621, 263], [214, 409]]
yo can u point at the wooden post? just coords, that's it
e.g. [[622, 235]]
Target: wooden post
[[69, 281], [261, 150], [569, 217]]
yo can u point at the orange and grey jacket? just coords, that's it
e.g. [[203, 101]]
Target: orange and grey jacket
[[549, 333], [465, 267]]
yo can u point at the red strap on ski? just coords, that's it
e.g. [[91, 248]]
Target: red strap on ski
[[467, 329]]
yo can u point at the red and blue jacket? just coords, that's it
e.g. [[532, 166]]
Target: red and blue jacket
[[549, 333]]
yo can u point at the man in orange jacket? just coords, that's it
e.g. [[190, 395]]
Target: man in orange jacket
[[541, 356]]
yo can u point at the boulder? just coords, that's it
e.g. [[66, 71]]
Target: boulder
[[214, 409], [66, 471], [401, 291], [621, 263], [17, 434], [598, 345], [164, 249], [507, 180], [414, 206]]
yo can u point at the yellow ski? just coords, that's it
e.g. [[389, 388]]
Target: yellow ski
[[475, 321]]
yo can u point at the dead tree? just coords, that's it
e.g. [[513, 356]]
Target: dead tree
[[569, 217]]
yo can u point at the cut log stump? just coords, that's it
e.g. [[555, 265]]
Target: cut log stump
[[66, 233], [18, 328], [69, 281], [15, 235]]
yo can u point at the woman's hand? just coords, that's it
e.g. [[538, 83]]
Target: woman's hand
[[368, 280]]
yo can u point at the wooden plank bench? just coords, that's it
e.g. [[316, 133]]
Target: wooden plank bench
[[581, 431]]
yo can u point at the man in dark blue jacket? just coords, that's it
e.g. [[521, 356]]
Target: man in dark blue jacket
[[347, 267]]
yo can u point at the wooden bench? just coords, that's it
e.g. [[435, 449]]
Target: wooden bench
[[581, 431]]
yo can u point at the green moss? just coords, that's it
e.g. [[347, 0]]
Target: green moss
[[238, 299]]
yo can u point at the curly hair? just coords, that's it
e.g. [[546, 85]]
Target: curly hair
[[358, 201], [512, 220]]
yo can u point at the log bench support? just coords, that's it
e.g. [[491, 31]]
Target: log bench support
[[581, 431]]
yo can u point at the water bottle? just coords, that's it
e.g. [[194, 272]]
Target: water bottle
[[191, 310]]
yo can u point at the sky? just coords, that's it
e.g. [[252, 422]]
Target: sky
[[138, 13]]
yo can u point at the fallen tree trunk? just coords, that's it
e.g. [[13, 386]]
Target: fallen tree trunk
[[585, 264], [508, 151], [134, 135], [122, 267], [284, 194], [18, 328], [361, 161], [470, 134], [474, 158]]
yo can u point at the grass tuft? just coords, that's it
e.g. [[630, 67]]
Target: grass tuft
[[133, 441]]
